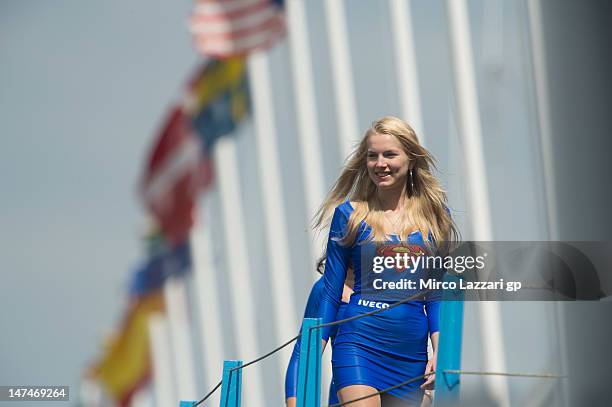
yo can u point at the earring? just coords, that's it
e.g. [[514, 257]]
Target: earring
[[411, 181]]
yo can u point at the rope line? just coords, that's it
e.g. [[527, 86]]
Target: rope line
[[473, 372], [414, 379], [341, 321], [393, 305], [272, 352], [450, 371], [210, 393]]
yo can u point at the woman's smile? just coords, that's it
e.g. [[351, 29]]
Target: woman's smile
[[387, 162]]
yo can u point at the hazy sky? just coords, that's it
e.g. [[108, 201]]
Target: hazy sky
[[83, 86]]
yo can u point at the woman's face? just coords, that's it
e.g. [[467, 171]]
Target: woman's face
[[388, 163]]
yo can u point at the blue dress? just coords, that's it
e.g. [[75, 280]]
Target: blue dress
[[311, 311], [380, 350]]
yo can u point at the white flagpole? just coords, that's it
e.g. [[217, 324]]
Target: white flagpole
[[142, 398], [161, 358], [407, 74], [406, 65], [538, 55], [478, 196], [309, 137], [175, 295], [308, 122], [208, 302], [239, 267], [91, 393], [344, 93], [285, 314], [542, 94]]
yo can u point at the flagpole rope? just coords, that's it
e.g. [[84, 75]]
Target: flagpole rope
[[450, 371], [210, 393], [267, 354], [414, 379], [477, 373], [393, 305], [341, 321]]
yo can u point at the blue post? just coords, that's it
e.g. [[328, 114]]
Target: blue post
[[231, 386], [309, 366], [449, 346], [187, 403]]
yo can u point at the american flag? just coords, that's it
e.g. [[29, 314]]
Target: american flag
[[224, 28]]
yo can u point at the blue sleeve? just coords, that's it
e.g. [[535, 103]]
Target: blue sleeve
[[291, 376], [335, 270], [311, 311], [433, 300], [432, 308]]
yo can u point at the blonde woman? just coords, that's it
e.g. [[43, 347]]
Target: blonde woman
[[386, 192]]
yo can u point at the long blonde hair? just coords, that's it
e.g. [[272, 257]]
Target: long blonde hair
[[425, 200]]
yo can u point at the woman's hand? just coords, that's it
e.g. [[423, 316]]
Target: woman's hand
[[430, 368]]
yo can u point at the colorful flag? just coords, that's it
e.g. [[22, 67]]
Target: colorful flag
[[166, 262], [225, 28], [176, 171], [218, 99], [125, 365]]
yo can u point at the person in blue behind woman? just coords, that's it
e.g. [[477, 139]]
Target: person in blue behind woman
[[312, 311], [386, 192]]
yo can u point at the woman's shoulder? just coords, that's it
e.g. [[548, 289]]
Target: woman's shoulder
[[346, 207], [317, 287], [342, 213]]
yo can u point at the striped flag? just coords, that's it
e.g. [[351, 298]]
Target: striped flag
[[177, 170], [179, 167], [166, 262], [224, 28], [125, 363], [217, 99]]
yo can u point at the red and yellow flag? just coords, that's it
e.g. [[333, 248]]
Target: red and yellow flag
[[126, 362]]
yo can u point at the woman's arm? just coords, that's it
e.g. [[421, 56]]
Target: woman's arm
[[431, 363], [435, 336], [334, 276], [291, 376], [432, 308]]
